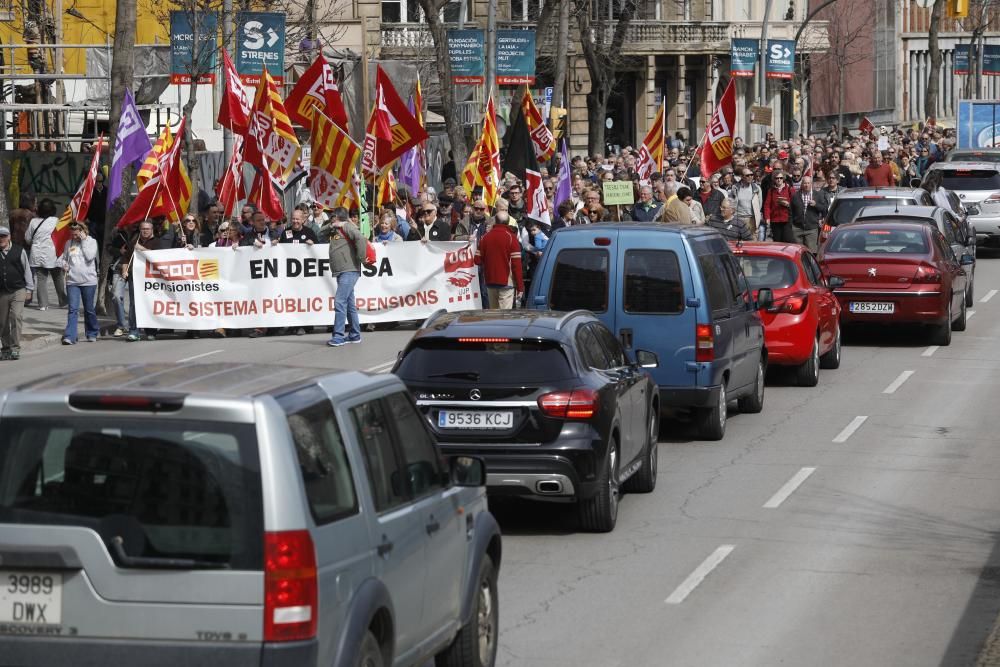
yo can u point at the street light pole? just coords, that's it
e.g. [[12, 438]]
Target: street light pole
[[491, 45], [762, 88], [227, 40]]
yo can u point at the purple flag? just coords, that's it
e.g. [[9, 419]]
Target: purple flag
[[564, 187], [410, 166], [131, 146]]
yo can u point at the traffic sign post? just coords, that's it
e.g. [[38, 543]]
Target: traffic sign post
[[259, 43]]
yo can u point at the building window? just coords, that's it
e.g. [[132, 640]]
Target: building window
[[525, 10], [400, 11], [885, 55]]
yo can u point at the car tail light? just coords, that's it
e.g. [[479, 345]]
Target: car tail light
[[291, 601], [793, 304], [927, 274], [602, 241], [576, 404], [96, 400], [484, 340], [704, 345]]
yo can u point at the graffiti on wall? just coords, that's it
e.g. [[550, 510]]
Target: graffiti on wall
[[54, 175]]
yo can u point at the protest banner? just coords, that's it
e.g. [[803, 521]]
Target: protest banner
[[291, 285], [618, 192]]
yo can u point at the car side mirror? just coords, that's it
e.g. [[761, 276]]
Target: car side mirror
[[467, 471], [914, 182], [973, 209], [836, 281], [765, 298], [967, 260], [646, 359]]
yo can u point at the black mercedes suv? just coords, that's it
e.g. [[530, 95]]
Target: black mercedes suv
[[549, 400]]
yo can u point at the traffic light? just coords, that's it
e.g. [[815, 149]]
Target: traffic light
[[796, 102], [558, 122], [958, 9]]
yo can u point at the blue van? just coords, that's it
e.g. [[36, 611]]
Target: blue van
[[676, 290]]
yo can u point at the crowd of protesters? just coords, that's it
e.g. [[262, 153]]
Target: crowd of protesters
[[773, 189]]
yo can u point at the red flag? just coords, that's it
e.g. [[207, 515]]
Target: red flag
[[231, 188], [392, 129], [168, 190], [79, 206], [271, 142], [866, 126], [317, 89], [541, 136], [717, 146], [234, 112], [263, 196]]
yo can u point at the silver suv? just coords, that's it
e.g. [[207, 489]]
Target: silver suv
[[977, 185], [237, 514]]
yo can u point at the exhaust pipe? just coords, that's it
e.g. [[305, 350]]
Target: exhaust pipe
[[549, 486]]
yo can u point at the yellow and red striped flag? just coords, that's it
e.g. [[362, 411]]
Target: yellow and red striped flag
[[541, 136], [651, 153], [79, 206], [469, 173], [151, 164], [271, 141], [387, 193], [167, 191], [334, 155]]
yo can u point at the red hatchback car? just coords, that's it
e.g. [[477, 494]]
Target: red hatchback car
[[801, 327], [897, 273]]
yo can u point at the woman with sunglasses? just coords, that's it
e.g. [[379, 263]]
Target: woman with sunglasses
[[191, 235], [777, 210]]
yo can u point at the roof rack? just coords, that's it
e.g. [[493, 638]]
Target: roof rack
[[433, 316], [568, 316]]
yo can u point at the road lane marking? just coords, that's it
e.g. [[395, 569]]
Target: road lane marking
[[929, 352], [898, 382], [850, 428], [789, 488], [198, 356], [380, 367], [989, 295], [969, 314], [699, 574]]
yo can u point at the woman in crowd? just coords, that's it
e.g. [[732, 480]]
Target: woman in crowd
[[386, 231], [79, 262]]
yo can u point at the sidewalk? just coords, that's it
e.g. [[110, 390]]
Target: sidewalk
[[44, 328]]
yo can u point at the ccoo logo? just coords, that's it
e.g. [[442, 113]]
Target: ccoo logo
[[184, 269]]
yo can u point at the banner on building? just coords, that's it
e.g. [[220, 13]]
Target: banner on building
[[780, 58], [182, 46], [743, 57], [515, 57], [991, 60], [960, 59], [260, 41], [291, 285], [466, 52]]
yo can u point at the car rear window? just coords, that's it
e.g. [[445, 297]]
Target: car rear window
[[770, 272], [973, 156], [653, 282], [844, 210], [580, 280], [970, 179], [496, 362], [170, 489], [897, 241]]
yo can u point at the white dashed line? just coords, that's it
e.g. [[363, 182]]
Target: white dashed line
[[989, 295], [969, 314], [929, 352], [898, 382], [789, 488], [380, 367], [850, 428], [198, 356], [700, 573]]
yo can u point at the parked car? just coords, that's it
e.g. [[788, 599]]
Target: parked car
[[977, 185], [802, 326], [237, 514], [550, 400], [675, 290], [896, 273], [973, 155], [961, 242], [849, 201]]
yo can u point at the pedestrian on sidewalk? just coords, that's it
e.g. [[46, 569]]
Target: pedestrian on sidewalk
[[79, 261], [16, 284], [348, 248], [42, 254]]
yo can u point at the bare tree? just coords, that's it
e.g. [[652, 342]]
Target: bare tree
[[603, 25], [850, 44], [981, 14], [453, 123], [934, 72]]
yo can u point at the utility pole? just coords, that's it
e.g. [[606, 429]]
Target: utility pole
[[762, 90], [227, 43], [562, 47], [491, 46]]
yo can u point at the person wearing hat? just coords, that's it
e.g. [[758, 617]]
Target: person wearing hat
[[79, 262], [348, 248], [16, 285], [499, 253]]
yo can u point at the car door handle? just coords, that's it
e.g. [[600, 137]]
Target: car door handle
[[433, 526], [384, 548]]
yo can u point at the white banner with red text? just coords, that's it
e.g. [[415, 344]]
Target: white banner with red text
[[291, 285]]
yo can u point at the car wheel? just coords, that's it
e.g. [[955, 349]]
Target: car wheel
[[754, 403], [371, 653], [807, 375], [475, 645], [644, 480], [600, 513], [963, 318], [711, 422], [942, 332], [831, 359]]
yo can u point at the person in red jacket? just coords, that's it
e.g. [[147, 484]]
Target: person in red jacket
[[777, 208], [879, 173], [499, 255]]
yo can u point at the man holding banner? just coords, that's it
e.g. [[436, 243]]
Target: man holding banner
[[348, 249]]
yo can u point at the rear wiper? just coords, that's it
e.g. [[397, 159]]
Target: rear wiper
[[458, 375], [117, 545]]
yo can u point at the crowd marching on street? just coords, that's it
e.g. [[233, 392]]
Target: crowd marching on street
[[770, 189]]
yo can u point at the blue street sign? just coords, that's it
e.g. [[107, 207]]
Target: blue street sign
[[260, 41], [780, 58], [515, 57], [743, 57], [961, 59], [467, 54], [182, 46]]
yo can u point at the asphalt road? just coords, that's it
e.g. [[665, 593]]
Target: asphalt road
[[853, 523]]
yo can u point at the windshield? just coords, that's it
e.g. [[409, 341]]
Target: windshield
[[897, 241], [970, 179], [771, 272], [973, 156], [844, 210], [530, 361], [164, 489]]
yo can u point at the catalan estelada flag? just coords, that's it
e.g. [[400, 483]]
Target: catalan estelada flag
[[79, 206]]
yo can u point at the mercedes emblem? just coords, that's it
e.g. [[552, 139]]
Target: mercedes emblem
[[475, 394]]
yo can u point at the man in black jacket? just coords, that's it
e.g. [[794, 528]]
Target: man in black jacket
[[429, 227], [16, 283], [806, 216]]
